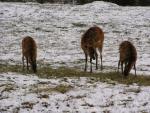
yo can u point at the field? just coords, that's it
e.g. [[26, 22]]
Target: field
[[61, 86]]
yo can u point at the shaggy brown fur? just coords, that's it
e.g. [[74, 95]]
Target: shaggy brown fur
[[128, 56], [93, 38], [29, 51]]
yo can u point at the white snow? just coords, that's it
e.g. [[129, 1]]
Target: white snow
[[57, 29], [85, 97]]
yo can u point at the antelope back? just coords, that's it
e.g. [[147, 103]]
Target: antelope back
[[127, 51], [29, 48], [93, 37]]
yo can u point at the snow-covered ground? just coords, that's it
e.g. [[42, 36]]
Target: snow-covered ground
[[57, 29], [19, 94]]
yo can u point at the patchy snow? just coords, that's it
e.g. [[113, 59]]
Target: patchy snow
[[57, 29], [87, 96]]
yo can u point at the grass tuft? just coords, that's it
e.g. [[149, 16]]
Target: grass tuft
[[7, 87], [41, 88], [62, 88], [79, 24]]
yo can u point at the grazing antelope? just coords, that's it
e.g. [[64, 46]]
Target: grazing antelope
[[91, 40], [29, 51], [128, 56]]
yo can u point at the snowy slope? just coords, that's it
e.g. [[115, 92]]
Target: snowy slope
[[57, 29]]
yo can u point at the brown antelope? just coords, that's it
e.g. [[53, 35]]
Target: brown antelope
[[128, 56], [29, 51], [91, 40]]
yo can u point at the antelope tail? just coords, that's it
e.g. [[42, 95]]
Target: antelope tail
[[128, 68]]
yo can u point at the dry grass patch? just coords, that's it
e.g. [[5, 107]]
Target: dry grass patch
[[45, 88], [7, 87], [110, 77]]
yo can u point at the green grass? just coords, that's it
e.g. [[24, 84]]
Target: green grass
[[48, 72]]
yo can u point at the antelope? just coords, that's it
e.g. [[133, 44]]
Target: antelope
[[29, 51], [128, 56], [91, 40]]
